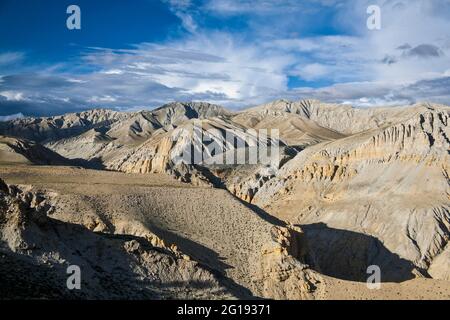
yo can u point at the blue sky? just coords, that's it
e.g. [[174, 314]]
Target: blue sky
[[139, 54]]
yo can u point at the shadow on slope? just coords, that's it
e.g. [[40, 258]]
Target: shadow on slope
[[108, 270], [262, 213], [22, 279], [94, 163], [33, 131], [208, 258], [38, 154], [346, 255]]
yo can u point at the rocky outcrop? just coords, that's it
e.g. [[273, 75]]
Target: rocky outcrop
[[389, 184], [181, 151], [343, 119], [284, 273], [173, 114], [35, 252], [439, 265], [16, 151], [205, 225], [145, 141], [48, 129], [372, 183]]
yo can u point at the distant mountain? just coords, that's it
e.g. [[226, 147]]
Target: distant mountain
[[20, 151], [177, 112], [46, 129]]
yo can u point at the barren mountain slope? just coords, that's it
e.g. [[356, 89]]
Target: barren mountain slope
[[140, 143], [295, 128], [365, 186], [200, 141], [135, 128], [250, 254], [36, 250], [298, 131], [20, 151], [175, 113], [439, 267], [381, 196], [59, 127], [343, 119], [137, 219]]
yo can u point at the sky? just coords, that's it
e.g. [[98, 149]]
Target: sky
[[140, 54]]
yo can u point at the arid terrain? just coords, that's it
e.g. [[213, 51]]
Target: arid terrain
[[348, 188]]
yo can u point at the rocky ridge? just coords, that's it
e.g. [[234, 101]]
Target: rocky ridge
[[37, 250], [370, 183]]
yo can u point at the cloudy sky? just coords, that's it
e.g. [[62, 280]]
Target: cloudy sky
[[140, 54]]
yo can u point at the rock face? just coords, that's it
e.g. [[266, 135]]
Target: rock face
[[292, 120], [342, 119], [20, 151], [283, 272], [180, 152], [349, 188], [142, 239], [215, 230], [36, 251], [386, 189], [145, 141], [58, 127], [439, 266], [175, 113]]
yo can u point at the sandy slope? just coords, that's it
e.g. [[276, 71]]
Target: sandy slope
[[209, 225], [20, 151], [417, 289], [36, 250]]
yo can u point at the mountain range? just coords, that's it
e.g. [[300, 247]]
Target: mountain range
[[348, 188]]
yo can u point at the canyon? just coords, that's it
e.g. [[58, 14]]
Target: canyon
[[347, 188]]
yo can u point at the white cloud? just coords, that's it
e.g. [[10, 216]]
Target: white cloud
[[378, 93], [311, 71], [415, 23], [264, 7], [105, 98], [72, 80], [187, 21], [112, 71], [202, 64], [181, 8], [245, 67], [8, 58], [13, 95]]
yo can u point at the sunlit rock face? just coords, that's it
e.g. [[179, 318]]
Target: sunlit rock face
[[347, 188]]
